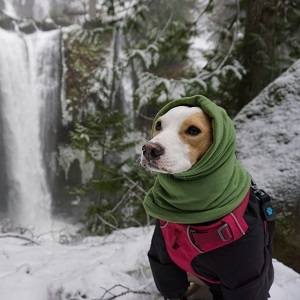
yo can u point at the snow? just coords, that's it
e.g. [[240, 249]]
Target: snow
[[44, 271], [25, 9], [86, 269], [67, 155], [268, 137], [9, 10]]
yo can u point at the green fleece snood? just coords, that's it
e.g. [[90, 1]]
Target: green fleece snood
[[211, 188]]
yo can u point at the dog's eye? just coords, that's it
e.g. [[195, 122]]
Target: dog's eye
[[193, 130], [158, 126]]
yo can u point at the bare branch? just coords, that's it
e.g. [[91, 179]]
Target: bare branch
[[107, 223], [127, 291], [129, 179], [165, 28], [10, 235], [145, 117], [124, 198], [202, 13], [147, 216]]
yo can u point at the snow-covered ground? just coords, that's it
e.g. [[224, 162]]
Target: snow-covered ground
[[95, 268]]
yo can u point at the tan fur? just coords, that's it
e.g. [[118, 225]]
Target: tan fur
[[200, 143], [197, 289]]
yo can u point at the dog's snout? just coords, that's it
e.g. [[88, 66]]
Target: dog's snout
[[152, 151]]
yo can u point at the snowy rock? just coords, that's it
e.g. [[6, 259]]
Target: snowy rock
[[268, 137]]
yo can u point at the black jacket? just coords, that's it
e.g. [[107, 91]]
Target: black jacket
[[243, 267]]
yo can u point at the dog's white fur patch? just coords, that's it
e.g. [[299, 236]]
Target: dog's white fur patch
[[177, 152]]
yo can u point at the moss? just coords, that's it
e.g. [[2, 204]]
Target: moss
[[287, 250], [286, 244]]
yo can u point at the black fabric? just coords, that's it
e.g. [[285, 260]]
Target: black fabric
[[243, 267], [257, 289], [170, 280]]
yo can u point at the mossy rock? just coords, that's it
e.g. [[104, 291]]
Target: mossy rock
[[286, 243]]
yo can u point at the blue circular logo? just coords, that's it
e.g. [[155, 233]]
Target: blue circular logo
[[269, 211]]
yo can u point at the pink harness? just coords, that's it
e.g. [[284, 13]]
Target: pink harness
[[185, 242]]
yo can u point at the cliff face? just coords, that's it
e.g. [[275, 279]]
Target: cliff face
[[268, 137]]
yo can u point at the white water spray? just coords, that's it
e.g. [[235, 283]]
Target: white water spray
[[25, 76]]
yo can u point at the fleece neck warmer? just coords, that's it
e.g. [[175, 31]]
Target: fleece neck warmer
[[212, 187]]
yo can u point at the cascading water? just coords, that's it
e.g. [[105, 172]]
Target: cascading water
[[27, 81]]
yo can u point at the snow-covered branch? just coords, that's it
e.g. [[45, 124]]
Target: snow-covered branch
[[230, 50]]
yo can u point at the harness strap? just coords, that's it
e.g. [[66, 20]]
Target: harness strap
[[185, 242], [225, 231]]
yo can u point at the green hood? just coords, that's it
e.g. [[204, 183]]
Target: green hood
[[211, 188]]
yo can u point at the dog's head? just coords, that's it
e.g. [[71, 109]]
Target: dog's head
[[180, 138]]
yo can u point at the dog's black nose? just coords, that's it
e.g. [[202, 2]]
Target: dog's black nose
[[152, 151]]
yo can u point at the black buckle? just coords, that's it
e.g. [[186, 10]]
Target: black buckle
[[222, 229]]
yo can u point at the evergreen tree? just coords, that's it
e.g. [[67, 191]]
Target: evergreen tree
[[258, 48], [116, 187], [266, 44], [137, 47]]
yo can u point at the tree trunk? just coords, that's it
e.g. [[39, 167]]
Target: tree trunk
[[259, 48], [92, 9], [117, 92]]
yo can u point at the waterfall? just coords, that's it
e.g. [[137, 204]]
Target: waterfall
[[29, 83]]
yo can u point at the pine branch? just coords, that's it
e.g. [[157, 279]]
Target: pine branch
[[234, 39]]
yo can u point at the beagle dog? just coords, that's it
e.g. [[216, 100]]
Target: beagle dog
[[180, 138], [186, 261]]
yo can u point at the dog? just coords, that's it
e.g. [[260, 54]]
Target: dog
[[184, 138], [189, 150]]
